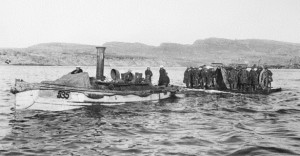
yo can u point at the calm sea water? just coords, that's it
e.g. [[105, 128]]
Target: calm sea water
[[196, 124]]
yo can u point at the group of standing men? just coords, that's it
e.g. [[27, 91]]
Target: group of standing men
[[222, 78], [163, 80]]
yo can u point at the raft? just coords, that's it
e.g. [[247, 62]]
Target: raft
[[261, 92]]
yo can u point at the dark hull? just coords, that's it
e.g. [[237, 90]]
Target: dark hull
[[261, 92]]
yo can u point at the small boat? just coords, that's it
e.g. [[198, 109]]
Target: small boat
[[63, 97], [76, 90]]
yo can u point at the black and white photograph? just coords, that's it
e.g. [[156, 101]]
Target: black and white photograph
[[149, 77]]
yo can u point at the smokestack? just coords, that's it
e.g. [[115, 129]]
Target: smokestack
[[100, 63]]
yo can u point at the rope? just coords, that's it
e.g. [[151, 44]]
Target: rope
[[32, 103]]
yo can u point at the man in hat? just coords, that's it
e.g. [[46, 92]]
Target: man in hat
[[148, 75], [166, 80], [192, 77], [235, 77], [196, 77], [232, 77], [204, 75], [199, 70], [253, 79], [267, 78], [77, 70], [243, 78], [162, 75], [186, 78]]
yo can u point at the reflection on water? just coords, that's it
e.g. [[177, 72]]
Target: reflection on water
[[196, 124]]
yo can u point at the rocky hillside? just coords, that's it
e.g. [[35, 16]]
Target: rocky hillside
[[205, 51]]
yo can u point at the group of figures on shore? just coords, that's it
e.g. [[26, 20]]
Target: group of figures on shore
[[229, 77]]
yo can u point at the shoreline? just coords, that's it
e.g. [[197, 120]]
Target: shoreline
[[270, 67]]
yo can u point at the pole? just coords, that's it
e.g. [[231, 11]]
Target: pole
[[100, 63]]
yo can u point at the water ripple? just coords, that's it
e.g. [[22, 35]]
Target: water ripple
[[196, 124]]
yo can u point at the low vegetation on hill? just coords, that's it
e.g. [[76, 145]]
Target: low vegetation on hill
[[250, 51]]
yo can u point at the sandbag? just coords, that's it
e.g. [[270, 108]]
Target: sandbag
[[261, 78], [73, 80], [225, 77]]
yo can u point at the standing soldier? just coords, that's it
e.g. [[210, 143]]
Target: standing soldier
[[253, 78], [235, 78], [186, 78], [148, 75], [200, 79], [238, 71], [266, 78], [209, 78], [166, 80], [162, 75], [191, 76], [243, 77], [204, 76], [230, 75], [258, 71], [213, 77], [196, 77]]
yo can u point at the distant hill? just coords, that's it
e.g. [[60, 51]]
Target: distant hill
[[251, 51]]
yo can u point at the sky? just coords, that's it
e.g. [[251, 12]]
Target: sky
[[27, 22]]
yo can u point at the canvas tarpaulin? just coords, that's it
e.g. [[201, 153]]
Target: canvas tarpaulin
[[73, 80]]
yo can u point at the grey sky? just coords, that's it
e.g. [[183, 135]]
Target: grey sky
[[27, 22]]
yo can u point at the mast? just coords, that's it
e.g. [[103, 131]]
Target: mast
[[100, 63]]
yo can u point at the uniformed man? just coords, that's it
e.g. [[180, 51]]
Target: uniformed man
[[166, 80], [204, 75], [186, 78], [200, 79], [148, 75], [77, 70], [267, 78], [231, 77], [235, 77], [162, 75], [243, 78], [192, 77], [196, 77], [209, 78], [253, 79]]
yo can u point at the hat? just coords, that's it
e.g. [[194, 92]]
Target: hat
[[77, 66], [161, 66]]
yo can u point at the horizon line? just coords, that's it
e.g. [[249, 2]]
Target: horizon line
[[148, 44]]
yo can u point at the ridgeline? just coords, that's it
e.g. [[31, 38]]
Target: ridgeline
[[250, 51]]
